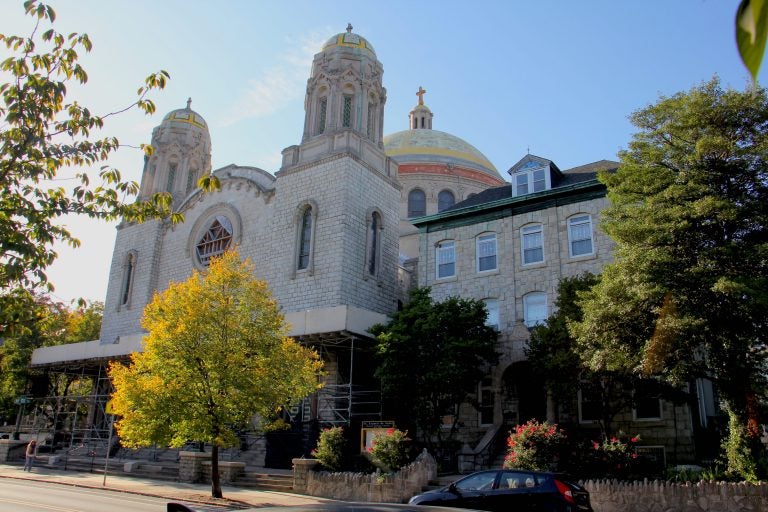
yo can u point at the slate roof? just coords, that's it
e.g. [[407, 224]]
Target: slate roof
[[568, 177]]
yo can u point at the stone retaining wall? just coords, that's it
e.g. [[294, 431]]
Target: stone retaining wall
[[656, 496], [392, 488]]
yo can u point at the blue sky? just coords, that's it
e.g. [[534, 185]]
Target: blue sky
[[557, 77]]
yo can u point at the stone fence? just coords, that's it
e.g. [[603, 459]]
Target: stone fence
[[380, 488], [656, 496]]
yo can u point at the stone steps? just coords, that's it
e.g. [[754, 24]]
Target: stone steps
[[265, 481]]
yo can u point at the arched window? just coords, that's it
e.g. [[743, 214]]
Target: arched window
[[445, 199], [305, 239], [346, 112], [580, 235], [417, 203], [445, 259], [215, 241], [129, 269], [532, 243], [322, 114], [374, 244], [535, 308]]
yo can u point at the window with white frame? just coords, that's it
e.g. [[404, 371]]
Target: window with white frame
[[486, 252], [532, 243], [446, 259], [535, 308], [492, 307], [580, 235], [647, 402], [534, 180]]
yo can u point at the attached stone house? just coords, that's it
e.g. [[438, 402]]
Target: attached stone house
[[510, 246]]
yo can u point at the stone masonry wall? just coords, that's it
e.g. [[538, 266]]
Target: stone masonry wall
[[611, 496]]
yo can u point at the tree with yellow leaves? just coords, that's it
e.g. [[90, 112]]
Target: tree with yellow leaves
[[216, 354]]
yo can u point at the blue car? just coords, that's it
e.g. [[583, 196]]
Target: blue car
[[510, 490]]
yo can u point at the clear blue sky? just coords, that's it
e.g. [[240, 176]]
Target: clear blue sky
[[558, 77]]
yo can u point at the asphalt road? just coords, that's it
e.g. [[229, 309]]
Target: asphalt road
[[33, 496]]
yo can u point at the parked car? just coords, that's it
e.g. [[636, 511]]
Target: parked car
[[510, 490]]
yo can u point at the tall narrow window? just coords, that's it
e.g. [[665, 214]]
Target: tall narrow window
[[485, 400], [171, 178], [539, 180], [535, 308], [445, 199], [128, 272], [486, 252], [417, 203], [533, 244], [647, 400], [369, 131], [190, 180], [580, 235], [346, 113], [521, 184], [305, 239], [215, 241], [492, 306], [322, 112], [590, 402], [374, 243], [446, 260]]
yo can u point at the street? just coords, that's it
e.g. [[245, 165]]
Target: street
[[35, 496]]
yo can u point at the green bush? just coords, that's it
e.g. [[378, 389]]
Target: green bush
[[330, 448], [390, 451], [535, 446]]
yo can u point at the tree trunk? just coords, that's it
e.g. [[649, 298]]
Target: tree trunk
[[215, 480]]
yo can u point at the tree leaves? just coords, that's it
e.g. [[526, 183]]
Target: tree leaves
[[751, 31]]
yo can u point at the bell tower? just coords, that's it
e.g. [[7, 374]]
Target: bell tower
[[337, 191]]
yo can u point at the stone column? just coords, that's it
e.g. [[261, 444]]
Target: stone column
[[301, 469], [191, 466]]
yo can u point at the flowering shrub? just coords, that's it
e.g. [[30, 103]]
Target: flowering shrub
[[390, 451], [615, 457], [330, 448], [535, 446]]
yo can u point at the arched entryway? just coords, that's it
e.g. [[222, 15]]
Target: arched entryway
[[523, 396]]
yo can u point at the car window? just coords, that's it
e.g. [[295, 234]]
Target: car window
[[517, 480], [477, 482]]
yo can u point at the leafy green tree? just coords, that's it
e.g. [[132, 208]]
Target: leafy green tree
[[687, 295], [42, 138], [431, 357], [215, 355], [49, 323]]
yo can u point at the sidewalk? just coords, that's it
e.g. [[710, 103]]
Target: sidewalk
[[173, 491]]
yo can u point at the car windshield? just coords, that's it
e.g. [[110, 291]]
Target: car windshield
[[479, 481]]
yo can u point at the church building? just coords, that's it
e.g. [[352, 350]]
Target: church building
[[349, 223]]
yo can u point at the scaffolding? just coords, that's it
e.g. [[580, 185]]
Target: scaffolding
[[350, 394], [72, 415]]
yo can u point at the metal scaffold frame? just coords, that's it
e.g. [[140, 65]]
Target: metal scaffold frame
[[72, 416], [344, 401]]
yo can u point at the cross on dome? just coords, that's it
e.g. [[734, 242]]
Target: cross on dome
[[189, 103], [349, 28], [420, 94]]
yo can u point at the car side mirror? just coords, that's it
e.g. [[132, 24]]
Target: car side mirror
[[452, 489]]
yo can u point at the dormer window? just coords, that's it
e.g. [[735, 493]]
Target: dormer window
[[531, 178]]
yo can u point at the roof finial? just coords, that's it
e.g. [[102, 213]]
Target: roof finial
[[420, 94], [189, 103], [349, 28]]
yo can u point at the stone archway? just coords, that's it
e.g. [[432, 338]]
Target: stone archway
[[523, 397]]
